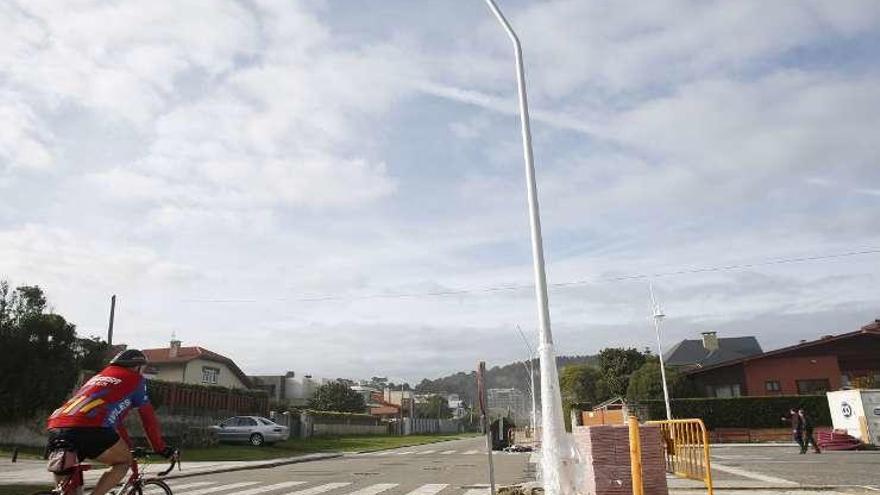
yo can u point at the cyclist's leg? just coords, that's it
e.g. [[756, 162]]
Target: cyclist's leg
[[118, 458]]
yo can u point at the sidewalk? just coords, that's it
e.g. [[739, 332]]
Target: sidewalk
[[29, 471]]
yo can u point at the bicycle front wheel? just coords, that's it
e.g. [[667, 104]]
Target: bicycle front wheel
[[145, 487]]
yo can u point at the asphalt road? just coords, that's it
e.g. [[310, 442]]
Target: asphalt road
[[448, 468], [779, 466]]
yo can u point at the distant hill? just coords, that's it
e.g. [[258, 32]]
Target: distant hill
[[512, 375]]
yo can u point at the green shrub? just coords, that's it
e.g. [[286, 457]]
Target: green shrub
[[743, 412]]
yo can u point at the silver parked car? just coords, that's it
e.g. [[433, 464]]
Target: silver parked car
[[254, 430]]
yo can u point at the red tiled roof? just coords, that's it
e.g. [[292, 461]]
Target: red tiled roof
[[187, 354]]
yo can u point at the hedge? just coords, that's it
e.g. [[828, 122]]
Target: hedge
[[743, 412]]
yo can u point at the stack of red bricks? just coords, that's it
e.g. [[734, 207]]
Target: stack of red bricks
[[605, 452]]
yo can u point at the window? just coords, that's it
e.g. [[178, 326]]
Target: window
[[209, 375], [266, 422], [772, 386], [725, 391], [248, 422], [813, 387]]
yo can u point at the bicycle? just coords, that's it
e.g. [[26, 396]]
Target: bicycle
[[73, 482]]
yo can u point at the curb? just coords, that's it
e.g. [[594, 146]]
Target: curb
[[262, 465]]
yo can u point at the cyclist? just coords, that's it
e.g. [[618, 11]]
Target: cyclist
[[92, 420]]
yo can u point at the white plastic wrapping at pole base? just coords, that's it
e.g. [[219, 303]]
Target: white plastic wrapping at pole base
[[558, 454]]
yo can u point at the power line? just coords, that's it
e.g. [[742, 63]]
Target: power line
[[518, 287]]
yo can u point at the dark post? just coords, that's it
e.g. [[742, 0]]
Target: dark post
[[481, 394], [110, 326]]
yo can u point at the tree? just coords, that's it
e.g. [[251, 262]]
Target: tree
[[580, 384], [616, 365], [335, 396], [647, 382], [38, 365], [435, 407]]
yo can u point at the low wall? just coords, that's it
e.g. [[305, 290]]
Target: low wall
[[325, 430], [26, 433], [755, 435], [179, 430], [333, 424], [418, 426]]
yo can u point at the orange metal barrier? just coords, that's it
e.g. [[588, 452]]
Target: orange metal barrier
[[687, 449]]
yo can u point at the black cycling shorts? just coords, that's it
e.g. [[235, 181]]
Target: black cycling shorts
[[88, 442]]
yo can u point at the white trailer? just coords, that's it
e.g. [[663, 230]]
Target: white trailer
[[858, 412]]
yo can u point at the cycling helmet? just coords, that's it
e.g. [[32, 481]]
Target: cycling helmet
[[129, 358]]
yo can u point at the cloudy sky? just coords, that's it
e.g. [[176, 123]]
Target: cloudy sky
[[335, 187]]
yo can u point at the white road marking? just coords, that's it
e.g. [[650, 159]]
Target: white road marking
[[269, 488], [220, 488], [427, 452], [374, 489], [153, 489], [447, 452], [477, 491], [405, 453], [471, 452], [315, 490], [429, 489], [751, 474]]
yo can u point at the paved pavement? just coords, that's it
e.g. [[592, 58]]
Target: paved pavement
[[449, 468], [782, 465], [460, 468]]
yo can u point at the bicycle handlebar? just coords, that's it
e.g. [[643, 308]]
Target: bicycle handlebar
[[175, 458]]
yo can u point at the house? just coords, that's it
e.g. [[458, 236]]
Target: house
[[288, 388], [195, 365], [710, 350], [829, 363]]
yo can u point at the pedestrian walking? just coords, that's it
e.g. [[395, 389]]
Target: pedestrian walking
[[797, 429], [807, 424]]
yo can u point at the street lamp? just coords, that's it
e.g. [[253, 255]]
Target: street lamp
[[557, 460], [530, 369], [658, 317]]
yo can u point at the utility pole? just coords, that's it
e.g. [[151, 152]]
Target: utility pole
[[657, 317], [481, 397], [112, 316]]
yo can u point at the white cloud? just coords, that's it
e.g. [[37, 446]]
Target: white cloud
[[276, 152], [23, 138]]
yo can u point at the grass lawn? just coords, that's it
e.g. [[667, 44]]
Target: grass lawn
[[22, 489], [298, 446]]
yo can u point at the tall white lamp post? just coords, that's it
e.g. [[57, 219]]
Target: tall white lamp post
[[658, 317], [530, 369], [557, 457]]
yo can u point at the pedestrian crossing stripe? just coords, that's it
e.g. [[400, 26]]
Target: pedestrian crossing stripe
[[429, 489], [269, 488], [447, 452], [374, 489], [472, 452], [255, 488], [315, 490], [427, 452], [151, 490], [221, 488]]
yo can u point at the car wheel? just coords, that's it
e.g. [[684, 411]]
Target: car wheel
[[257, 440]]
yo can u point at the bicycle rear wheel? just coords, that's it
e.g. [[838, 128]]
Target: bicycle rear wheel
[[161, 485]]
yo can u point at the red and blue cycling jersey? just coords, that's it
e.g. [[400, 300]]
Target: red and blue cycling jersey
[[105, 400]]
